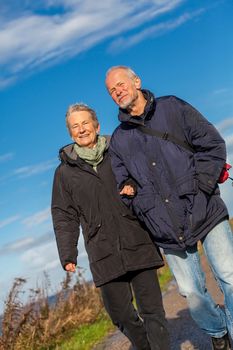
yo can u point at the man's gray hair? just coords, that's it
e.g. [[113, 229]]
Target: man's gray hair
[[128, 70], [79, 107]]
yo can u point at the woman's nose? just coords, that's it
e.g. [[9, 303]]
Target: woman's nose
[[81, 128]]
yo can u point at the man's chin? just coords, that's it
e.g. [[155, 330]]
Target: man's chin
[[124, 105]]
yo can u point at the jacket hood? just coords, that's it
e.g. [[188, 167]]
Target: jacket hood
[[124, 115], [67, 153]]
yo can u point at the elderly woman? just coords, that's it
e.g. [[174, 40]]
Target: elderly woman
[[120, 251]]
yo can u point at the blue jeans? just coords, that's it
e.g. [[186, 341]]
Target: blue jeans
[[186, 267]]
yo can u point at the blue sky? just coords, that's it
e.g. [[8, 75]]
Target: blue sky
[[56, 52]]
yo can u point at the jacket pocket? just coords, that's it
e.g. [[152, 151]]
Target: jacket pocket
[[144, 202], [187, 185], [199, 210], [98, 250], [92, 231]]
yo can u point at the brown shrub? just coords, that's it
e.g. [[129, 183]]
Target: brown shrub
[[39, 324]]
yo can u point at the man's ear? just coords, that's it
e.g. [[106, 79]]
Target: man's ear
[[137, 82]]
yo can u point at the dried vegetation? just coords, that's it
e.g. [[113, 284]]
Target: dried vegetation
[[41, 324]]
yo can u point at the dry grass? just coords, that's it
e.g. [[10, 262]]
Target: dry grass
[[38, 324]]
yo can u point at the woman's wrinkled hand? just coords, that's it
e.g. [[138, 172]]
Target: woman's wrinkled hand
[[70, 267]]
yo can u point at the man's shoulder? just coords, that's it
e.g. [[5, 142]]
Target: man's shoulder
[[168, 99], [118, 138], [122, 128], [118, 129]]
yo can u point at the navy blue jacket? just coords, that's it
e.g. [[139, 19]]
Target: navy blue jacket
[[177, 197]]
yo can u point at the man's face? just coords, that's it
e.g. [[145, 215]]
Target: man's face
[[123, 88], [83, 129]]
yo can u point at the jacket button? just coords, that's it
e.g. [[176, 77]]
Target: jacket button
[[153, 163], [210, 182], [181, 238], [166, 200]]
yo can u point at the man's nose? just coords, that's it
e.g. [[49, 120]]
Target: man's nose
[[118, 90]]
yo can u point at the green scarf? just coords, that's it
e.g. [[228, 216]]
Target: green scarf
[[92, 156]]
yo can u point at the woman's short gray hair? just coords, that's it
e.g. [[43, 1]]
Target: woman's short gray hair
[[78, 107]]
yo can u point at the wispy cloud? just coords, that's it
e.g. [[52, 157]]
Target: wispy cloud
[[153, 31], [220, 91], [29, 170], [35, 169], [5, 157], [34, 36], [226, 193], [221, 96], [43, 257], [9, 221], [225, 124], [229, 145], [37, 218], [26, 243]]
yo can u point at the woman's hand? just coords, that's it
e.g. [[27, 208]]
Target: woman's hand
[[70, 267]]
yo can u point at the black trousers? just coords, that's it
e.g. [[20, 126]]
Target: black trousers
[[147, 327]]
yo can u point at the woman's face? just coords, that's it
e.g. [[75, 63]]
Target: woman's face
[[83, 129]]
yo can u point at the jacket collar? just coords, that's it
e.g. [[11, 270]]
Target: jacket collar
[[125, 117], [67, 153]]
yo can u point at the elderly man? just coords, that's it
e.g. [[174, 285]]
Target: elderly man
[[172, 157]]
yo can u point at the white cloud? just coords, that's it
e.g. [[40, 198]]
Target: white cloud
[[37, 218], [21, 244], [152, 31], [42, 258], [82, 255], [220, 91], [33, 37], [225, 124], [9, 221], [5, 157], [226, 194], [229, 140], [35, 169], [29, 170], [27, 243]]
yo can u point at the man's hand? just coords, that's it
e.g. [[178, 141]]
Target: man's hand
[[127, 190], [70, 267]]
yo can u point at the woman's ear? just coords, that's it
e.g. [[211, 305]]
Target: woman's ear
[[98, 129]]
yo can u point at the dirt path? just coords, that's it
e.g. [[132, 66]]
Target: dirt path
[[184, 333]]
